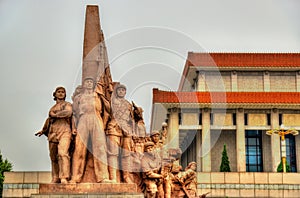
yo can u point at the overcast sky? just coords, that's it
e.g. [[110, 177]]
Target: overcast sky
[[41, 48]]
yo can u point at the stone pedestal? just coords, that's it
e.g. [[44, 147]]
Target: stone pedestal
[[98, 195], [86, 188], [36, 184]]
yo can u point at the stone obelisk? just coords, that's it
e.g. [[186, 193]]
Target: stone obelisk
[[94, 50]]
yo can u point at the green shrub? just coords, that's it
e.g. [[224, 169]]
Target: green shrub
[[5, 166], [225, 164], [280, 167]]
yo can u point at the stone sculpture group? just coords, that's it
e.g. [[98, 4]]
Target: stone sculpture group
[[103, 123], [101, 137]]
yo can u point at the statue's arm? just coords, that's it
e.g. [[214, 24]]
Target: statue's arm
[[66, 112], [44, 129], [152, 175], [186, 175]]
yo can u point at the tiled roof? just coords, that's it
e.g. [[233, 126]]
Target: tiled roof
[[226, 97], [239, 61], [244, 59]]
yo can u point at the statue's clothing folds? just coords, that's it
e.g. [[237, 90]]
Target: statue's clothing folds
[[59, 137], [90, 126]]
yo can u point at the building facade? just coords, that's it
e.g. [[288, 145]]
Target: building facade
[[233, 99]]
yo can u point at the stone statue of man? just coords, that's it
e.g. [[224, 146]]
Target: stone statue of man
[[88, 107], [151, 167], [122, 113]]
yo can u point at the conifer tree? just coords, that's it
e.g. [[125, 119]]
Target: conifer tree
[[280, 167], [225, 165], [5, 166]]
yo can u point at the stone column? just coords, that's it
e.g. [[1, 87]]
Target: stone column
[[267, 87], [206, 147], [200, 81], [275, 140], [234, 83], [240, 141], [173, 129]]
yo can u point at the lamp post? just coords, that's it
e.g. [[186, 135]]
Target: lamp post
[[282, 132]]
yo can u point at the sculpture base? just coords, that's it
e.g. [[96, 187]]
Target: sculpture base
[[98, 195], [84, 188], [36, 184], [88, 190]]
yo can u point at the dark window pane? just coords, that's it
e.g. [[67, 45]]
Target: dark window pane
[[259, 169], [259, 151], [252, 168], [200, 118], [179, 119], [257, 141], [254, 161], [291, 152], [259, 160], [280, 119], [269, 119], [234, 118], [252, 141], [252, 151]]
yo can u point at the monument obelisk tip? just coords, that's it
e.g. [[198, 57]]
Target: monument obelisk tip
[[93, 45], [92, 31]]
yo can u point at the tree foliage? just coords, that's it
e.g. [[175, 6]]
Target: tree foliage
[[225, 164], [5, 166], [280, 167]]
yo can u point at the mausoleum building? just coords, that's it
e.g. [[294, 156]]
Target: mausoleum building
[[233, 99]]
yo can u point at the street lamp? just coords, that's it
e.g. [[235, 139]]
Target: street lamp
[[282, 132]]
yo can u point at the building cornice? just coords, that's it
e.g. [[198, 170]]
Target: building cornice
[[228, 99]]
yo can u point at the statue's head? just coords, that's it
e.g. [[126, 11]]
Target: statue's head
[[120, 90], [167, 165], [151, 189], [59, 90], [148, 147], [89, 83], [176, 168], [155, 136], [192, 165], [77, 91], [164, 124]]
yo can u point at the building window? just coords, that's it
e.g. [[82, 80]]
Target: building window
[[269, 119], [200, 118], [187, 144], [245, 119], [179, 119], [280, 119], [211, 119], [254, 158], [234, 119], [291, 152]]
